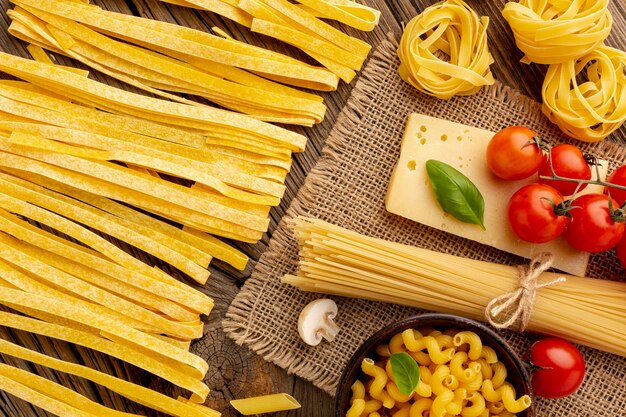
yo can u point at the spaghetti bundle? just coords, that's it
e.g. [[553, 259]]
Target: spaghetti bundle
[[334, 260], [552, 31], [443, 51], [595, 108]]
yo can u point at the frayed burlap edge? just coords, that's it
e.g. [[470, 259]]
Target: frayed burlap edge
[[237, 321]]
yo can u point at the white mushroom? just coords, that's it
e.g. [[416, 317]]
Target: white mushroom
[[316, 321]]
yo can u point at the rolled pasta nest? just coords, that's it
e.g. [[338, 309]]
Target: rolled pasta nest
[[555, 31], [443, 51], [593, 109]]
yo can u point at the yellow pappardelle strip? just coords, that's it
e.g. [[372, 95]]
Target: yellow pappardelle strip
[[453, 29], [190, 363], [40, 55], [173, 39], [188, 169], [556, 31], [153, 109], [177, 213], [164, 369], [126, 389], [185, 257], [68, 285], [310, 44], [347, 12], [165, 190], [591, 109], [90, 119], [149, 69], [37, 396], [178, 293], [199, 240], [265, 404], [219, 7]]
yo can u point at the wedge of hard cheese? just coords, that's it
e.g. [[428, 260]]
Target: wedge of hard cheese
[[463, 147]]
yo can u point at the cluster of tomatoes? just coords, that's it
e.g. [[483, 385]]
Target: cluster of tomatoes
[[540, 212]]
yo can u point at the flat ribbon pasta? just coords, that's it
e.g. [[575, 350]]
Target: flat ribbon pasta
[[449, 28], [591, 110], [555, 31]]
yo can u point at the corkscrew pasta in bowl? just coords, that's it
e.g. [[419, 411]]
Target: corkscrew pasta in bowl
[[465, 369]]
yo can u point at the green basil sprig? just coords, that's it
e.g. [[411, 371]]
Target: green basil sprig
[[456, 194], [405, 371]]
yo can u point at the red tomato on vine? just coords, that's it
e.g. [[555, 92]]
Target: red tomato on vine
[[513, 153], [567, 161], [595, 224], [617, 177], [536, 213]]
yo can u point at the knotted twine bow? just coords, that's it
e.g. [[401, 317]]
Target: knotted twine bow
[[500, 313]]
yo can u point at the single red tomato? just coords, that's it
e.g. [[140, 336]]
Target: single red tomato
[[591, 225], [536, 213], [513, 153], [568, 161], [558, 368], [617, 177], [620, 250]]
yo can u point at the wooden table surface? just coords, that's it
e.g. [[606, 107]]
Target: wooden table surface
[[234, 371]]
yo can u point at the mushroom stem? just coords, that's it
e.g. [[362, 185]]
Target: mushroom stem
[[329, 330]]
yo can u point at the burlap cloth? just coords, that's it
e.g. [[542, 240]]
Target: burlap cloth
[[347, 187]]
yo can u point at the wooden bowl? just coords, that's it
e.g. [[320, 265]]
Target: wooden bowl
[[517, 374]]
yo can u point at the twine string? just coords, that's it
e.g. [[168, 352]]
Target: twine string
[[515, 307]]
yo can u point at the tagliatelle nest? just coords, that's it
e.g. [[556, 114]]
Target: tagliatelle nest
[[453, 30], [555, 31], [593, 109]]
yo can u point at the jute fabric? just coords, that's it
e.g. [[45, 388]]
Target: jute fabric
[[348, 186]]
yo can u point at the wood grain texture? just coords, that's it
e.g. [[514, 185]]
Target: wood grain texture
[[234, 371]]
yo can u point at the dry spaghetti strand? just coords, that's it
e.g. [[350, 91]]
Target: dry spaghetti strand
[[334, 260]]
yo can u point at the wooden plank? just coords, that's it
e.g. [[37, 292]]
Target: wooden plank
[[235, 371]]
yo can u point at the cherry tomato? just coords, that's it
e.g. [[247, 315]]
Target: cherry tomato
[[533, 213], [568, 161], [558, 368], [591, 226], [620, 250], [617, 177], [513, 154]]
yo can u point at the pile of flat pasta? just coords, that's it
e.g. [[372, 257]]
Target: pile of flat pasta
[[584, 92], [169, 58], [554, 31], [334, 260], [443, 51], [90, 174], [593, 109], [300, 24], [458, 376]]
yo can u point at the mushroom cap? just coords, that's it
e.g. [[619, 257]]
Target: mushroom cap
[[315, 321]]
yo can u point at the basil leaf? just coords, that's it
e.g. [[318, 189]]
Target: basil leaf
[[456, 194], [405, 371]]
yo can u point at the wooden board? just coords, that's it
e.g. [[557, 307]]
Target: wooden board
[[235, 372]]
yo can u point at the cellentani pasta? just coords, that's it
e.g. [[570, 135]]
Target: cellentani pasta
[[334, 260], [459, 376], [449, 29]]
